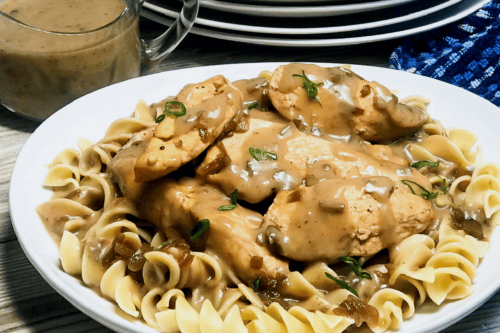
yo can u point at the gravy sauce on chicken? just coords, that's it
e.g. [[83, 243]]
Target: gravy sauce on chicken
[[298, 157], [345, 103], [344, 217]]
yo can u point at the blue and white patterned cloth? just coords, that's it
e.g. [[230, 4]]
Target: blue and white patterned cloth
[[466, 54]]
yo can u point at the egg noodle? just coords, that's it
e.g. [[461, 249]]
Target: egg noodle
[[187, 253]]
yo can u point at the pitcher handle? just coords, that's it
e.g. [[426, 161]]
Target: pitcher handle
[[159, 48]]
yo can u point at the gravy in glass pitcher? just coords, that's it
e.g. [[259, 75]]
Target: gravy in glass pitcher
[[54, 51]]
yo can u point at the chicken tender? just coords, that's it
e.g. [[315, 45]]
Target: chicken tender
[[178, 205], [339, 102], [356, 217], [299, 158], [210, 106]]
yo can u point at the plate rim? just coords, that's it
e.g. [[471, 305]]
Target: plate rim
[[300, 2], [304, 31], [341, 41], [116, 322], [301, 11]]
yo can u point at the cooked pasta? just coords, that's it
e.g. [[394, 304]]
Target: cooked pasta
[[393, 307], [275, 205]]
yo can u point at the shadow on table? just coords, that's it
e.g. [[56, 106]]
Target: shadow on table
[[16, 122], [30, 304]]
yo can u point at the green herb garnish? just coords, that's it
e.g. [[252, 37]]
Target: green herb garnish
[[234, 202], [444, 188], [227, 208], [165, 243], [256, 285], [425, 194], [310, 87], [420, 164], [178, 113], [341, 283], [253, 105], [168, 112], [262, 155], [356, 267], [160, 118], [234, 197], [199, 229]]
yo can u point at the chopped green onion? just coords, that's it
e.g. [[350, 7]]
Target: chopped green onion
[[234, 197], [342, 284], [253, 105], [234, 202], [310, 87], [425, 194], [420, 164], [444, 188], [356, 267], [227, 208], [160, 118], [179, 113], [169, 112], [256, 284], [262, 155], [199, 229]]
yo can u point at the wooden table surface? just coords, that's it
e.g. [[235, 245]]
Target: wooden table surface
[[29, 304]]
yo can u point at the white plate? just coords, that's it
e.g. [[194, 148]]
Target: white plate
[[300, 11], [89, 117], [426, 23], [290, 2], [219, 21]]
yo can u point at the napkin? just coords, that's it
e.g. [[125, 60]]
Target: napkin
[[465, 54]]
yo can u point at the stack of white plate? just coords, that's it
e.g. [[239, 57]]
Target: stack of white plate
[[314, 22]]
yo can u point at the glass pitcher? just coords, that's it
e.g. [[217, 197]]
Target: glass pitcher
[[45, 67]]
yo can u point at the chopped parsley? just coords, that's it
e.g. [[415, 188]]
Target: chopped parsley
[[262, 155], [199, 229], [234, 202], [356, 267]]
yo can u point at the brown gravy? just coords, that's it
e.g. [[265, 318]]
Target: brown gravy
[[41, 72]]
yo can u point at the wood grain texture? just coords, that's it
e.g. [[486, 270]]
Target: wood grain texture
[[29, 304]]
